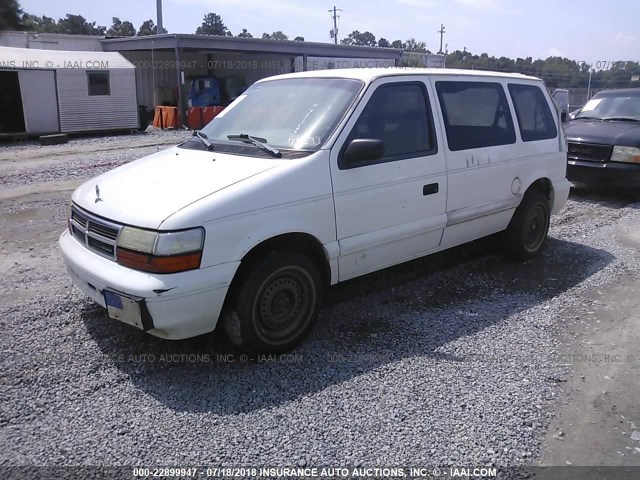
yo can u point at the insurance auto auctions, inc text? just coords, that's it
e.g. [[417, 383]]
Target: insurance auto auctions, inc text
[[357, 472]]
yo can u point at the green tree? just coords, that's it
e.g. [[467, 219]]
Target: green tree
[[10, 15], [412, 45], [504, 64], [42, 24], [398, 44], [121, 29], [383, 42], [148, 27], [366, 39], [298, 39], [279, 35], [212, 24], [523, 65], [245, 34], [78, 25]]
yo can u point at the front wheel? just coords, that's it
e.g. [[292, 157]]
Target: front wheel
[[529, 227], [274, 303]]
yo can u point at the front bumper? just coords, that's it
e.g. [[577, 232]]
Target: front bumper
[[610, 174], [172, 306]]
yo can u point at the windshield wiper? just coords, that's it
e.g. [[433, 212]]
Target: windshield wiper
[[628, 119], [203, 138], [257, 142]]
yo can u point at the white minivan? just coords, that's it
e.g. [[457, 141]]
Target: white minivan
[[309, 179]]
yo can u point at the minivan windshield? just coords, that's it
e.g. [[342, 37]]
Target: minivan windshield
[[295, 114], [619, 106]]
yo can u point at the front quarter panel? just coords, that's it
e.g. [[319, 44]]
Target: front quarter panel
[[295, 197]]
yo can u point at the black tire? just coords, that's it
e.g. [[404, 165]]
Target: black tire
[[526, 234], [274, 303]]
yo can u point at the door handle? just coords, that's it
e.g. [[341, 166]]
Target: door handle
[[430, 189]]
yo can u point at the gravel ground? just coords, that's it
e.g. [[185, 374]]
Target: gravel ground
[[448, 360], [82, 157]]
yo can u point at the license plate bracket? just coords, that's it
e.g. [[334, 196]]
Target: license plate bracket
[[123, 308]]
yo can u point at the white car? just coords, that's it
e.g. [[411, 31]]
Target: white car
[[309, 179]]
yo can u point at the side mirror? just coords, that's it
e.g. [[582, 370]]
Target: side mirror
[[563, 116], [362, 151]]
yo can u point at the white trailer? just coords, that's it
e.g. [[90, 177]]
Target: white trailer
[[56, 91]]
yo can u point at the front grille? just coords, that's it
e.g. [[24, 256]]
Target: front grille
[[592, 152], [103, 230], [95, 233], [79, 219]]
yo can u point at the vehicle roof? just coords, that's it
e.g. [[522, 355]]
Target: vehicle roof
[[370, 74], [618, 91]]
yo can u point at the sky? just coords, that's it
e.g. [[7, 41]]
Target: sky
[[587, 30]]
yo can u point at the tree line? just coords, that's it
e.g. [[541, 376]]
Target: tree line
[[13, 18], [556, 71]]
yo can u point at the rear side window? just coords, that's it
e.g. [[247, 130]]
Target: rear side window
[[476, 114], [533, 113]]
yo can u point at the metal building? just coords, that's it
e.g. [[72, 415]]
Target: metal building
[[56, 91], [165, 64], [166, 69]]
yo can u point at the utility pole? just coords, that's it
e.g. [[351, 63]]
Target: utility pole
[[159, 27], [334, 15], [441, 32]]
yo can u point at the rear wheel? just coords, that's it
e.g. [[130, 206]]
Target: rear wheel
[[528, 229], [274, 303]]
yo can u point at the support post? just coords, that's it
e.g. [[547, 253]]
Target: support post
[[181, 109]]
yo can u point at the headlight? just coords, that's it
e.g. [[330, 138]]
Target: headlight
[[137, 239], [160, 252], [625, 154], [173, 243]]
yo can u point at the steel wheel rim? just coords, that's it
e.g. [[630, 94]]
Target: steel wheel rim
[[534, 228], [283, 305]]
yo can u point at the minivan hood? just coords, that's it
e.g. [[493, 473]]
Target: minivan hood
[[626, 134], [145, 192]]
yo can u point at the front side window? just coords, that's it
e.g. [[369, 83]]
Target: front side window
[[399, 115], [99, 83], [476, 114], [296, 114], [533, 113]]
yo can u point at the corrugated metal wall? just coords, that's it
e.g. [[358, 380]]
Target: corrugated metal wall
[[80, 112], [156, 70]]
